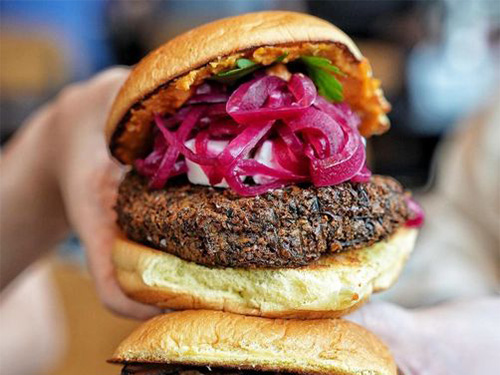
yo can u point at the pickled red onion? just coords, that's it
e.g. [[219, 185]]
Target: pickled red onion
[[312, 139], [417, 215]]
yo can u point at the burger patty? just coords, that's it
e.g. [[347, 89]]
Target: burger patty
[[287, 227], [188, 370]]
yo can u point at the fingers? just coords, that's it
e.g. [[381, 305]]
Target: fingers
[[98, 250], [95, 221], [89, 181], [397, 328], [108, 82], [373, 315], [98, 234], [114, 299]]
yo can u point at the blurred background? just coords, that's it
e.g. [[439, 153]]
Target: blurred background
[[439, 64]]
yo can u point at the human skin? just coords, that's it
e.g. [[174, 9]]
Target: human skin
[[458, 337], [56, 176]]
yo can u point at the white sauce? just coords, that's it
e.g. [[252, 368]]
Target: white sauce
[[264, 155], [197, 176], [195, 173]]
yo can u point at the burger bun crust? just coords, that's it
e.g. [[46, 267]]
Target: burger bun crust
[[219, 339]]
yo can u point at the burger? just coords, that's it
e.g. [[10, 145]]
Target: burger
[[248, 190], [201, 342]]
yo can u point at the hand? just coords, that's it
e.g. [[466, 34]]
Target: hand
[[460, 338], [88, 180]]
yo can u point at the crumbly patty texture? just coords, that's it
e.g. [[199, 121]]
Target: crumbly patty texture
[[288, 227], [188, 370]]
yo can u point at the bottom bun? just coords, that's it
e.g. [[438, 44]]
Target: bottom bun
[[330, 287], [225, 340]]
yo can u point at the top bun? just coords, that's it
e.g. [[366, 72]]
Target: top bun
[[219, 339], [163, 80]]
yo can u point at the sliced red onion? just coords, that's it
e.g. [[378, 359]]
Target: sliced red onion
[[208, 98], [177, 142], [320, 129], [234, 181], [249, 167], [164, 170], [288, 160], [236, 150], [215, 110], [311, 138], [224, 127], [176, 119], [201, 146], [363, 175], [417, 215], [265, 167], [150, 164], [243, 143], [210, 87], [340, 112], [248, 103], [341, 167], [290, 139]]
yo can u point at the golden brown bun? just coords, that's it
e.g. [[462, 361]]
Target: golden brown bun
[[218, 339], [220, 43], [330, 287]]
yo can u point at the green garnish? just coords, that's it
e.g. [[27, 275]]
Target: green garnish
[[321, 71], [244, 63], [244, 67], [280, 58]]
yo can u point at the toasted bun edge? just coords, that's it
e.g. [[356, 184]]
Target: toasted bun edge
[[335, 287], [220, 339]]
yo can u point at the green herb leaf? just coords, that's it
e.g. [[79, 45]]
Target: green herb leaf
[[280, 58], [321, 71], [244, 63], [244, 67]]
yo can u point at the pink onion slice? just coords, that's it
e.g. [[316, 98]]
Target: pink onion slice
[[340, 112], [417, 215], [363, 175], [234, 181], [240, 146], [177, 142], [236, 150], [312, 139], [249, 167], [163, 172], [289, 160], [150, 164], [248, 103], [210, 169], [339, 168], [323, 132]]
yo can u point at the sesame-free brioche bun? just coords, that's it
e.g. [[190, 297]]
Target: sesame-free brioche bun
[[330, 287], [164, 79], [224, 340]]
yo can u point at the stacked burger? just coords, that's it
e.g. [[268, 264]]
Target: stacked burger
[[250, 203]]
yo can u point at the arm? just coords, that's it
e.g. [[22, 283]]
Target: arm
[[57, 174], [32, 217]]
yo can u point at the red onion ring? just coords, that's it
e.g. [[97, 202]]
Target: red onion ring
[[312, 139]]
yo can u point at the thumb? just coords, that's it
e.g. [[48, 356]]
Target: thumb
[[398, 329]]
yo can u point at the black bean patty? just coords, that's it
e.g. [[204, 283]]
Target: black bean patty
[[287, 227], [188, 370]]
